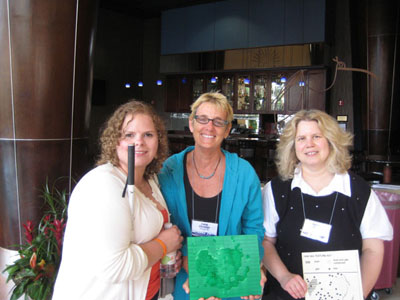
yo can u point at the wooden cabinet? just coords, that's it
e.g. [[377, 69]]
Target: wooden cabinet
[[277, 92], [252, 92], [316, 89], [309, 93], [178, 95]]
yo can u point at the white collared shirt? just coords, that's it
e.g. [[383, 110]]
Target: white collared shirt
[[375, 222]]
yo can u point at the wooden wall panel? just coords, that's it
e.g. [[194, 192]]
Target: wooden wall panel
[[9, 232], [49, 98], [5, 81], [381, 44], [42, 38], [36, 162], [83, 74]]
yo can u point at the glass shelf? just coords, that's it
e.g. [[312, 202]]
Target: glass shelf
[[228, 88], [243, 92], [278, 93], [260, 92]]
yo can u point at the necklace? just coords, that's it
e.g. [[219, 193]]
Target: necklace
[[205, 177]]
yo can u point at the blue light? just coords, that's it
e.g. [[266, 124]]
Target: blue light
[[140, 83], [127, 85], [301, 83], [159, 82], [283, 79], [213, 80], [183, 80], [246, 81]]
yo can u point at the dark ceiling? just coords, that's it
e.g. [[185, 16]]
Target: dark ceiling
[[147, 8]]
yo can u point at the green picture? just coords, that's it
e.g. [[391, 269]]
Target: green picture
[[224, 266]]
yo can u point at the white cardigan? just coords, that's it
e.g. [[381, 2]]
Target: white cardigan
[[101, 258]]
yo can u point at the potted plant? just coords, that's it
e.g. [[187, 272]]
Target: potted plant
[[35, 271]]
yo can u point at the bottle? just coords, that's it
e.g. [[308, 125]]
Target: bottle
[[167, 266], [387, 174]]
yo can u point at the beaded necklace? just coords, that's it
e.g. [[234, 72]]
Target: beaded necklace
[[205, 177]]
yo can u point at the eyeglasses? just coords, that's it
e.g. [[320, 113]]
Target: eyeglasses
[[216, 122]]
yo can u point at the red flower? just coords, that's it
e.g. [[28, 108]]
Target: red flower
[[58, 231], [46, 218], [38, 276], [40, 255], [32, 261], [28, 231]]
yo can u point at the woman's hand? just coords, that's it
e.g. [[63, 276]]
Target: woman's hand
[[179, 261], [263, 280], [185, 287], [295, 285], [291, 283], [172, 238]]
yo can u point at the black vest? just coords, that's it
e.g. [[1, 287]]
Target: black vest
[[345, 233]]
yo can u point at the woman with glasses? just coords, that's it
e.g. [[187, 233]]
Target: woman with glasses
[[112, 250], [210, 191]]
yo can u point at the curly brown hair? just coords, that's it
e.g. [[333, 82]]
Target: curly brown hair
[[112, 134]]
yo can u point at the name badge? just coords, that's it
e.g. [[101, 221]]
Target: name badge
[[316, 230], [200, 228]]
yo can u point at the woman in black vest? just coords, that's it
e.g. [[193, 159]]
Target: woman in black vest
[[317, 204]]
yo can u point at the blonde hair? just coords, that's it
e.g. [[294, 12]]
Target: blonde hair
[[339, 159], [218, 99], [112, 134]]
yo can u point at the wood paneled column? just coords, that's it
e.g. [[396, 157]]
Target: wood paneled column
[[381, 39], [46, 73]]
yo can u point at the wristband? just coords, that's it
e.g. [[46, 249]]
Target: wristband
[[162, 245]]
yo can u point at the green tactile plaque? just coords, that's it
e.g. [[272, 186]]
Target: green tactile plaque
[[223, 266]]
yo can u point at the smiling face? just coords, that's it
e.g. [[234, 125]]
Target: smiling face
[[312, 148], [140, 131], [208, 135]]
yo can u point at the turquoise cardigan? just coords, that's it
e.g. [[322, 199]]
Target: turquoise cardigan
[[241, 209]]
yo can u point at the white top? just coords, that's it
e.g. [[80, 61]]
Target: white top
[[375, 222], [101, 258]]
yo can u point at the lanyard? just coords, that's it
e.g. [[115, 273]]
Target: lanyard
[[216, 211], [333, 208]]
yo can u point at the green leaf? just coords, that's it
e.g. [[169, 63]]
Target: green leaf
[[19, 290], [11, 269], [44, 244], [33, 291]]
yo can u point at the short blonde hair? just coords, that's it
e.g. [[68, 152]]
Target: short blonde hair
[[218, 99], [339, 159], [112, 134]]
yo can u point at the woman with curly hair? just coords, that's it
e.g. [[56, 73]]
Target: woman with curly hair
[[110, 250], [315, 190]]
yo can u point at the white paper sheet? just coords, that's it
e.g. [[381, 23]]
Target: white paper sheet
[[333, 275]]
